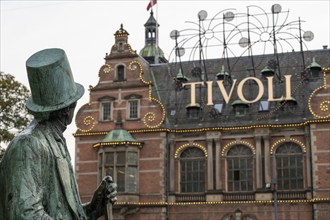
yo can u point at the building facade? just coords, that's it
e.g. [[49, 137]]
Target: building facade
[[185, 144]]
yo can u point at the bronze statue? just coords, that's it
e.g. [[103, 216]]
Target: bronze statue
[[36, 175]]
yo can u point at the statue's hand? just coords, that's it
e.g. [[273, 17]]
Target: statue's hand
[[110, 189], [106, 192]]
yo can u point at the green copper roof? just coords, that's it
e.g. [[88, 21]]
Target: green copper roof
[[222, 72], [118, 137], [314, 64], [267, 70], [197, 105], [150, 51], [238, 102], [180, 76]]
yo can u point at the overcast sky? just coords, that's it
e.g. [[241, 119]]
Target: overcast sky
[[84, 29]]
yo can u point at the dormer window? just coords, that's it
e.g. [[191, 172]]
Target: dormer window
[[240, 107], [267, 72], [315, 69], [289, 105], [193, 111], [121, 73], [223, 75]]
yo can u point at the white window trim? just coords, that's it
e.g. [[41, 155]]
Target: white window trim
[[116, 68], [129, 108], [111, 110]]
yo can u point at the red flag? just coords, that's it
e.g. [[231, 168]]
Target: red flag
[[151, 3]]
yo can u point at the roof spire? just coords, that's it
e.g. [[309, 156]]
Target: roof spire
[[119, 122], [151, 51]]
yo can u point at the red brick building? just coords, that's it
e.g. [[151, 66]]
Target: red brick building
[[218, 157]]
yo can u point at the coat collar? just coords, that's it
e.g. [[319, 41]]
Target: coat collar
[[57, 145]]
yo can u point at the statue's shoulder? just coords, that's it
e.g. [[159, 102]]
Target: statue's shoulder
[[33, 138], [30, 133]]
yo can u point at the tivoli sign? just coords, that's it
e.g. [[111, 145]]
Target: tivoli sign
[[227, 96]]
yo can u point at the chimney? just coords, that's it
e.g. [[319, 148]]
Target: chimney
[[325, 47]]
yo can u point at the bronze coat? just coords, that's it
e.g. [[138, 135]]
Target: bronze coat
[[37, 179]]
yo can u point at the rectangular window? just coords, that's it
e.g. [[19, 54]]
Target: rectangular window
[[131, 182], [120, 73], [239, 174], [133, 109], [123, 167], [106, 111], [100, 165], [192, 175], [289, 172]]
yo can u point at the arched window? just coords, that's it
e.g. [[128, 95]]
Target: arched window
[[120, 73], [192, 164], [289, 167], [120, 46], [239, 168]]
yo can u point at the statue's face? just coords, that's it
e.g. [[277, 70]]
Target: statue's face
[[70, 116], [71, 113]]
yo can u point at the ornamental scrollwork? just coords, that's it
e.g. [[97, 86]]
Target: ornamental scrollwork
[[319, 100], [85, 121]]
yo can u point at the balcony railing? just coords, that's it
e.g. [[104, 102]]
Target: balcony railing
[[291, 195], [241, 196], [190, 198], [238, 196]]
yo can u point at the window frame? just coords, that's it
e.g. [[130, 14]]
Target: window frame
[[241, 110], [193, 112], [184, 183], [287, 177], [238, 178], [123, 73], [120, 46], [128, 110], [103, 166], [102, 103]]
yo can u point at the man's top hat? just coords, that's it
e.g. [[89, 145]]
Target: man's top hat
[[51, 81]]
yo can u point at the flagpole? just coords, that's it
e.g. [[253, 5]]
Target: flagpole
[[157, 54], [155, 51]]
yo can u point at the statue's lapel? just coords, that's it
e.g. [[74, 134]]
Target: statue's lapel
[[63, 170], [57, 145]]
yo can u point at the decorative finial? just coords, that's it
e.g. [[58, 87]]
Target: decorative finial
[[119, 122]]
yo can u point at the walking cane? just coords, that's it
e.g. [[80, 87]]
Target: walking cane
[[109, 211], [99, 192], [109, 204]]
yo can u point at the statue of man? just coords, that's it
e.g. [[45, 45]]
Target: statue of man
[[36, 176]]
